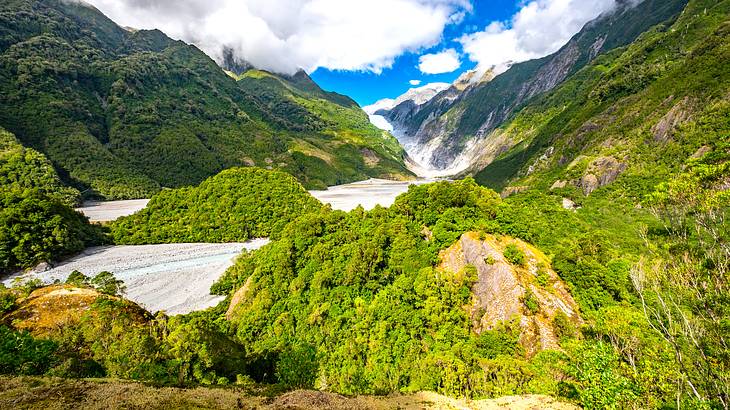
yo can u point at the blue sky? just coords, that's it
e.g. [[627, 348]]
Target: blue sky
[[367, 87], [367, 49]]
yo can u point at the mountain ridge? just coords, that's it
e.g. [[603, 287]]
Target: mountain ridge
[[459, 124], [123, 113]]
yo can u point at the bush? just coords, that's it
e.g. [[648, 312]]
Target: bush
[[514, 255], [562, 326], [530, 302], [106, 283], [77, 278], [20, 353]]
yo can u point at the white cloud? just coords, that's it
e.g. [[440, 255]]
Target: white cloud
[[444, 62], [284, 35], [414, 82], [540, 28]]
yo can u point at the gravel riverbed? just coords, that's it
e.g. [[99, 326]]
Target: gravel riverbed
[[175, 278]]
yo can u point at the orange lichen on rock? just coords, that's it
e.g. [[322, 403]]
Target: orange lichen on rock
[[51, 308]]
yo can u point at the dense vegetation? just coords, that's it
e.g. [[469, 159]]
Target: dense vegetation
[[37, 223], [648, 106], [36, 228], [25, 168], [355, 302], [235, 205], [124, 113]]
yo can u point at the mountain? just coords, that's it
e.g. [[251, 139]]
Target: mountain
[[122, 113], [460, 123], [395, 115], [634, 115]]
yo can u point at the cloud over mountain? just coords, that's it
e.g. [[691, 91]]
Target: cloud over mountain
[[284, 35], [539, 28], [446, 61]]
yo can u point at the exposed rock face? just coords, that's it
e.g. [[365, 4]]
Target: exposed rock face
[[665, 128], [238, 298], [600, 172], [509, 191], [501, 287], [453, 122]]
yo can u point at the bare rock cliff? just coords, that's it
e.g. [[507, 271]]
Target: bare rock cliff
[[503, 289]]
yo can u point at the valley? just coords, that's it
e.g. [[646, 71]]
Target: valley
[[535, 217], [345, 197], [175, 278]]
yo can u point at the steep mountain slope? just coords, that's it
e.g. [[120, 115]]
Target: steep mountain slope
[[634, 115], [127, 112], [462, 122], [399, 115]]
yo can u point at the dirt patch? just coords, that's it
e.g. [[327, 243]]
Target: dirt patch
[[53, 393]]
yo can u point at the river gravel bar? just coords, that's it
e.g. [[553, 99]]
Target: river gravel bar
[[175, 278]]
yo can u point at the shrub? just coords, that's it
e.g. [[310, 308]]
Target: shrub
[[77, 278], [106, 283], [514, 255], [530, 302], [562, 326]]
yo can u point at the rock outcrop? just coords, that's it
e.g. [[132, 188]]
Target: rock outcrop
[[51, 308], [665, 128], [600, 172], [504, 290], [453, 119]]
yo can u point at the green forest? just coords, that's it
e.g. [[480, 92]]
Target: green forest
[[126, 113], [615, 189], [236, 205]]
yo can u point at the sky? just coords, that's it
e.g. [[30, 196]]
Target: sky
[[367, 49]]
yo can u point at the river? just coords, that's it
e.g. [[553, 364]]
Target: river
[[346, 197], [176, 278]]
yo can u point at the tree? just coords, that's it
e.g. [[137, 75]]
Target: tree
[[105, 282], [685, 289]]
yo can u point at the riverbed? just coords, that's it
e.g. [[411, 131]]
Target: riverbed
[[347, 197], [175, 278]]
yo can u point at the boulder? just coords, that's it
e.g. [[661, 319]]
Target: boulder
[[569, 204], [559, 184]]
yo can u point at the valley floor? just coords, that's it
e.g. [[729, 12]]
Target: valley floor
[[345, 197], [175, 278], [53, 393]]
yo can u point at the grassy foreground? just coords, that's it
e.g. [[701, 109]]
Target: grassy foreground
[[56, 393]]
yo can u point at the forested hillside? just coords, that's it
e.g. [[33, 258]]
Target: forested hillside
[[599, 276], [633, 116], [37, 223], [124, 112], [236, 205]]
